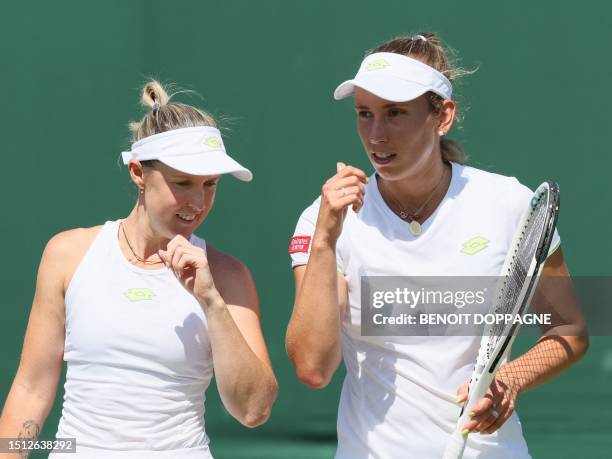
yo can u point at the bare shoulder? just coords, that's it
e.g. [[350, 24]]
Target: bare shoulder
[[73, 239], [65, 250], [231, 276], [224, 265]]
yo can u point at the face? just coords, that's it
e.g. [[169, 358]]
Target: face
[[175, 202], [400, 138]]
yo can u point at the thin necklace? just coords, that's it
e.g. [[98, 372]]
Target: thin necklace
[[142, 260], [414, 226]]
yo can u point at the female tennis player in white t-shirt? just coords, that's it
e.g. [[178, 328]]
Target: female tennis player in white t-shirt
[[423, 213], [143, 311]]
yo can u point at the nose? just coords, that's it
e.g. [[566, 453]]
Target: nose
[[378, 133], [197, 200]]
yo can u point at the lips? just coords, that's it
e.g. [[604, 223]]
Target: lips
[[186, 218], [383, 158]]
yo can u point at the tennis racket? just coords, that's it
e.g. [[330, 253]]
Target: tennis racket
[[513, 294]]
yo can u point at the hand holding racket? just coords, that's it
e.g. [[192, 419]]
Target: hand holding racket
[[490, 412], [520, 273]]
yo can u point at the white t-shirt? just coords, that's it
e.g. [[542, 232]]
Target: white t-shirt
[[398, 397]]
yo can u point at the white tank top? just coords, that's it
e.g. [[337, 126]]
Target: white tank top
[[398, 395], [138, 359]]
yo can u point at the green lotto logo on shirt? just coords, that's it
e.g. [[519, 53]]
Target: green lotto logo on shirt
[[139, 294], [377, 65], [475, 245]]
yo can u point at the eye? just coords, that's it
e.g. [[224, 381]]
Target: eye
[[211, 183], [364, 114], [182, 184], [393, 112]]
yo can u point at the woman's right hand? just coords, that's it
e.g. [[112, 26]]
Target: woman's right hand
[[344, 189]]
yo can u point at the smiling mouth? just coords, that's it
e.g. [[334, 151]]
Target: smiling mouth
[[187, 218], [383, 158]]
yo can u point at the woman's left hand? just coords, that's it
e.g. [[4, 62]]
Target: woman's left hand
[[190, 266], [491, 411]]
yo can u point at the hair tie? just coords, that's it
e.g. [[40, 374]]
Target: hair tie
[[155, 107], [420, 37]]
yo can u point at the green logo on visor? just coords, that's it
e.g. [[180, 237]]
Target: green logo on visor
[[213, 142], [377, 65], [139, 294], [475, 245]]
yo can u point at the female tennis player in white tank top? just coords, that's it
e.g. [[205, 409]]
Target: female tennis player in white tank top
[[143, 311], [423, 213]]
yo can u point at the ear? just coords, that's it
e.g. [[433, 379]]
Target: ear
[[136, 173], [446, 116]]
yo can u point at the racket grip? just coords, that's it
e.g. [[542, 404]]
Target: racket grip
[[455, 447]]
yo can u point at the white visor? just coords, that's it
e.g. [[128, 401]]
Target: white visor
[[396, 78], [194, 150]]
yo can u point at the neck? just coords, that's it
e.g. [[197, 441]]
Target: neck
[[140, 236], [420, 191]]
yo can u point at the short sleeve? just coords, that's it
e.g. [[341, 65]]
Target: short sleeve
[[299, 247]]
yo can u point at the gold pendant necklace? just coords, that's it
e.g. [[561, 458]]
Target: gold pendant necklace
[[140, 259], [414, 226]]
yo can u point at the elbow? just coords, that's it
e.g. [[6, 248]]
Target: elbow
[[255, 418], [315, 378], [314, 370], [261, 411]]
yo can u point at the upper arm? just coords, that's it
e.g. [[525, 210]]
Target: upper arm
[[555, 295], [41, 359], [237, 288], [298, 275]]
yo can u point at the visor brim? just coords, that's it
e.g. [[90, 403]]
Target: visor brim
[[391, 89], [209, 163]]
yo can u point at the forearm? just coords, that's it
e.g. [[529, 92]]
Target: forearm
[[246, 384], [550, 356], [23, 415], [313, 336]]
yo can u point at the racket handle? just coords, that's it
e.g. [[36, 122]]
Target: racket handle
[[478, 388], [456, 445]]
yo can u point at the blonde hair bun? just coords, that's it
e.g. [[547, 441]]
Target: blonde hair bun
[[153, 93]]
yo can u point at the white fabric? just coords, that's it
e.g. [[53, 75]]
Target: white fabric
[[398, 395], [396, 78], [138, 359], [195, 150]]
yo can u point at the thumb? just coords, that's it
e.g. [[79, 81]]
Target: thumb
[[462, 394], [163, 255], [340, 166]]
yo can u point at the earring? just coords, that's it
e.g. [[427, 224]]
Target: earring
[[141, 190], [441, 133]]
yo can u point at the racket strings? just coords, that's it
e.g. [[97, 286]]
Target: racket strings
[[516, 275]]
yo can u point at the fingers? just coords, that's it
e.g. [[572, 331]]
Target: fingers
[[504, 413], [491, 411], [346, 188], [178, 253], [345, 171], [462, 394]]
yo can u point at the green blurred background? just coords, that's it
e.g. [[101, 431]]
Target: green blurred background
[[71, 77]]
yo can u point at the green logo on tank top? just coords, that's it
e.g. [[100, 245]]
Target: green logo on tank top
[[475, 245], [139, 294]]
